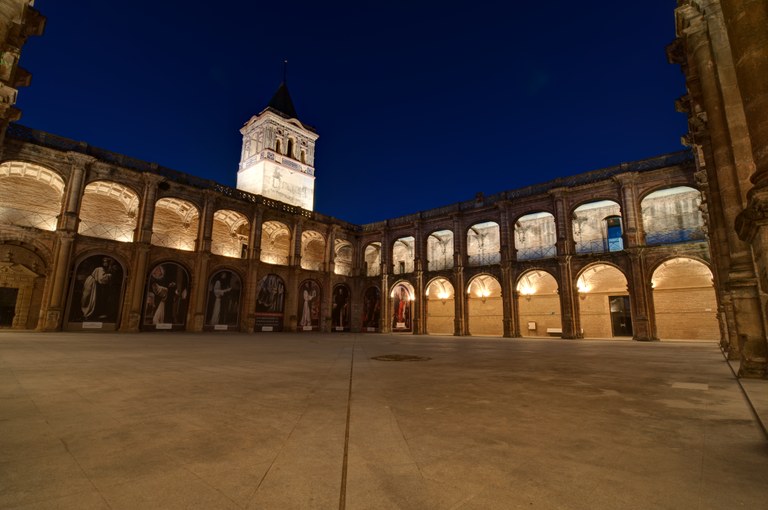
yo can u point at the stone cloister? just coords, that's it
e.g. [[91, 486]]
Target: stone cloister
[[96, 240]]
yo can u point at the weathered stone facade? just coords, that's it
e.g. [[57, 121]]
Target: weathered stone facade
[[722, 47]]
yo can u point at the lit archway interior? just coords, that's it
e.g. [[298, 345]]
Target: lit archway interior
[[604, 302], [230, 233], [484, 306], [402, 297], [175, 224], [538, 304], [672, 215], [373, 259], [440, 250], [684, 300], [108, 210], [535, 236], [402, 255], [597, 227], [440, 307], [342, 257], [30, 195], [483, 244], [312, 250], [275, 243]]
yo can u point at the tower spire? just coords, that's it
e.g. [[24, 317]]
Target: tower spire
[[285, 71]]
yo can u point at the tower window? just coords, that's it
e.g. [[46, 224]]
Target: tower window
[[278, 147], [303, 157], [289, 152]]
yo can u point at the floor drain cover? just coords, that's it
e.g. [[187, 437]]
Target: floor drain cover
[[400, 357]]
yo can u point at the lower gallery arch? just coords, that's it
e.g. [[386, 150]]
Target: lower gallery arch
[[270, 304], [371, 318], [340, 311], [96, 294], [22, 280], [684, 300], [310, 304], [222, 309], [402, 297], [538, 304], [484, 306], [440, 297], [166, 297], [604, 302]]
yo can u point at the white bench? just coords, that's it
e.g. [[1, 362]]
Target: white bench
[[554, 331]]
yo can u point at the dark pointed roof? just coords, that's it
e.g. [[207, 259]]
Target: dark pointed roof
[[281, 102]]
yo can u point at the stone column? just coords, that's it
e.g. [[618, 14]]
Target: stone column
[[631, 215], [460, 325], [386, 304], [640, 300], [746, 22], [73, 192], [507, 286], [569, 300], [563, 222], [54, 311], [719, 99], [252, 277], [419, 309], [196, 320]]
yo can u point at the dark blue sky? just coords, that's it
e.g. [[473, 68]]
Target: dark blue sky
[[418, 104]]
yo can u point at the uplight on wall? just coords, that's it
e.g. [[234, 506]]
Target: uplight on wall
[[443, 296]]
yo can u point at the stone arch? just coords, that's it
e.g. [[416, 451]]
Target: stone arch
[[343, 255], [312, 250], [22, 282], [483, 244], [402, 295], [684, 299], [372, 258], [229, 233], [604, 306], [595, 228], [275, 243], [30, 195], [535, 236], [440, 306], [538, 303], [440, 247], [108, 210], [175, 224], [485, 311], [671, 215], [96, 292], [166, 297]]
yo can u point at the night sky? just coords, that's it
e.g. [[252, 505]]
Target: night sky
[[418, 105]]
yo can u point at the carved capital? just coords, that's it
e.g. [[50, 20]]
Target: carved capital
[[754, 216]]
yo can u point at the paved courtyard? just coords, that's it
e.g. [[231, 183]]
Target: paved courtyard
[[310, 421]]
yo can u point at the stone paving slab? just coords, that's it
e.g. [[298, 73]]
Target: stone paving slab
[[283, 421]]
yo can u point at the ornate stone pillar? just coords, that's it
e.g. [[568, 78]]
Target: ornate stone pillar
[[641, 298], [54, 311], [252, 276], [202, 257], [419, 309], [460, 320], [147, 212], [746, 22], [330, 250], [631, 216], [386, 303], [563, 223], [507, 285], [569, 301]]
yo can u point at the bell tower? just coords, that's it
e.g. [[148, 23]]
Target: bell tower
[[278, 156]]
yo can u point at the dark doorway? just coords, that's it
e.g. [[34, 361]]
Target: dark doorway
[[7, 306], [621, 317]]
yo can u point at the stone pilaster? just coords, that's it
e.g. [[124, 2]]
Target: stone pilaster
[[641, 298], [53, 310], [563, 223], [73, 192], [630, 211], [569, 301]]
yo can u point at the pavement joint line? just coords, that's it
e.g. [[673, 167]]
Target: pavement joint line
[[751, 406], [343, 489]]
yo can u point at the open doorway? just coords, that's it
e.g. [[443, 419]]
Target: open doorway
[[621, 316], [7, 306]]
